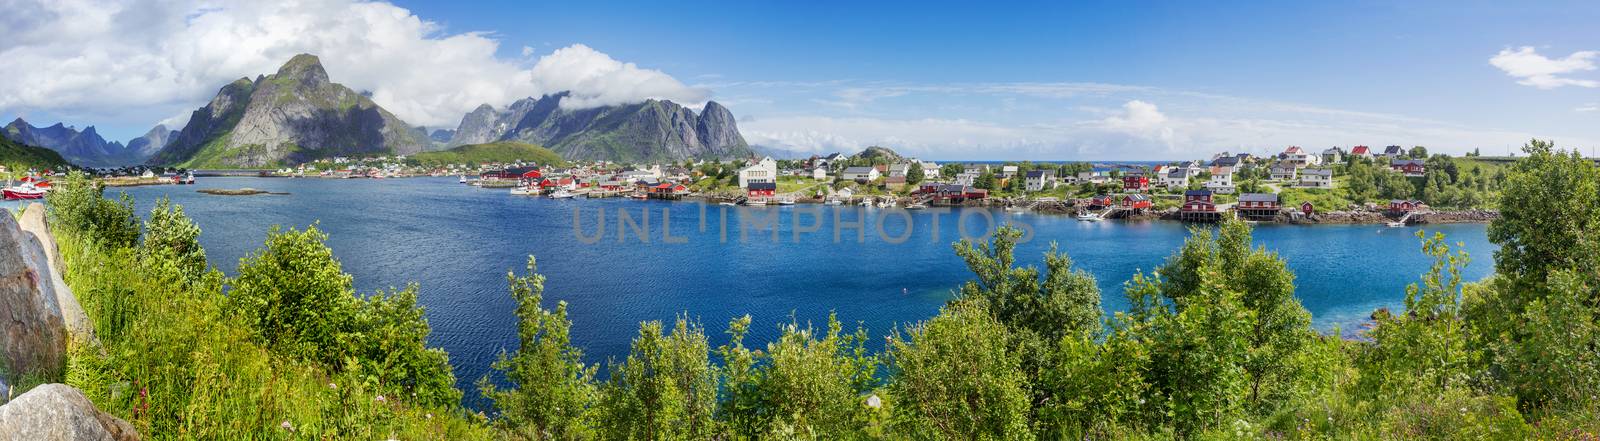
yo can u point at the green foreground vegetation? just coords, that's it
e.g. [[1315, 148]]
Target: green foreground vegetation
[[1214, 346], [501, 152]]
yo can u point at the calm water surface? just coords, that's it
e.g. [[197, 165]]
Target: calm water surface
[[457, 243]]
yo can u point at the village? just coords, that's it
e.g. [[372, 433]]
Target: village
[[1294, 186]]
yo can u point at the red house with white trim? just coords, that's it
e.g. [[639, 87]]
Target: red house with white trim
[[1135, 182], [762, 189], [1136, 202]]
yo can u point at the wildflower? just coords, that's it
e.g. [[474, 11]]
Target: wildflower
[[333, 386], [874, 402], [428, 416], [286, 426], [380, 399]]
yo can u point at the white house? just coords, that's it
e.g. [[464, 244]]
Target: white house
[[860, 174], [1332, 155], [765, 170], [1040, 180], [930, 170], [1316, 178], [1092, 177], [901, 169], [1283, 171], [966, 178], [1221, 183], [1176, 178], [1008, 171], [1300, 158], [819, 173]]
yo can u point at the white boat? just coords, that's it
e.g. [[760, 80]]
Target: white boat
[[756, 202], [562, 194], [1396, 224], [887, 203], [728, 203], [525, 191], [834, 202], [785, 201], [463, 179], [916, 206], [1089, 217]]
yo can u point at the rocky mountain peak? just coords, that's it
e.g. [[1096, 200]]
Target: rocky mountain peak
[[306, 68]]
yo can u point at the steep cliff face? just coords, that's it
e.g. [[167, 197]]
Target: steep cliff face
[[649, 131], [86, 148], [292, 116], [144, 147]]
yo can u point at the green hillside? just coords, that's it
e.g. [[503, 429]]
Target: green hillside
[[18, 156], [503, 151]]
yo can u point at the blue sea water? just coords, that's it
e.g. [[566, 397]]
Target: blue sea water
[[458, 242]]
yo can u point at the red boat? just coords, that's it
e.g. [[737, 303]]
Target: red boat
[[23, 192]]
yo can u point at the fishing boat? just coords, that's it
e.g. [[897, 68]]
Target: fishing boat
[[786, 201], [186, 178], [562, 194], [834, 202], [916, 206], [525, 191], [28, 189], [1396, 224], [728, 203], [463, 179], [639, 196], [756, 202], [1089, 217]]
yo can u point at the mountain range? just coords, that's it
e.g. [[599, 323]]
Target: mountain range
[[653, 130], [297, 114], [85, 147]]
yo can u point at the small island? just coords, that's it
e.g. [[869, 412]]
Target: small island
[[247, 191]]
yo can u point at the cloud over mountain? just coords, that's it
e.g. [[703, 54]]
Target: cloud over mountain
[[85, 57]]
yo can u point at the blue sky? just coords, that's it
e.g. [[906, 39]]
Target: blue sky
[[1099, 80]]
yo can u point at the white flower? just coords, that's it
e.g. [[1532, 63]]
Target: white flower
[[380, 399], [287, 426], [874, 402]]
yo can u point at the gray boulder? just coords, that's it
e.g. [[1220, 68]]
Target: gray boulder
[[58, 412], [71, 312], [33, 338]]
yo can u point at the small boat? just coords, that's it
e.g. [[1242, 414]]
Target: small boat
[[463, 179], [639, 197], [562, 194], [834, 202], [1089, 217], [786, 202], [756, 202], [728, 203], [26, 190], [525, 191], [916, 206], [1391, 224]]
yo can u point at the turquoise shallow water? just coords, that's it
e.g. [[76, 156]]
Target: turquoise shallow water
[[457, 243]]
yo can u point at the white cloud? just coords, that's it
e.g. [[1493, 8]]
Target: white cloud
[[1532, 69], [596, 79], [1590, 107], [138, 60]]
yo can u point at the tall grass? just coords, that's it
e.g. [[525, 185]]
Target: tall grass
[[172, 362]]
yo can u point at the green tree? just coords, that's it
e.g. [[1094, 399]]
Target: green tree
[[551, 388], [1423, 351], [915, 175], [665, 390], [1065, 302], [172, 236], [987, 181], [1418, 152], [807, 384], [78, 202], [950, 170], [957, 377]]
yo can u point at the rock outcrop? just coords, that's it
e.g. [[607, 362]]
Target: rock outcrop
[[58, 412], [143, 147], [77, 322], [292, 116], [33, 337]]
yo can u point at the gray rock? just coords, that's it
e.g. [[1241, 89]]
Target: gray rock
[[33, 338], [58, 412], [653, 130], [67, 306]]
